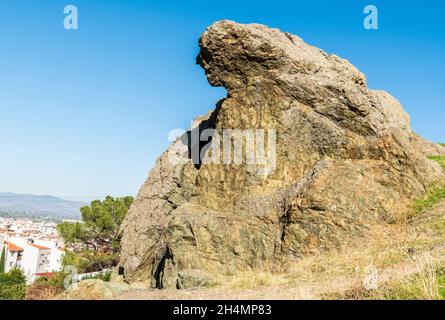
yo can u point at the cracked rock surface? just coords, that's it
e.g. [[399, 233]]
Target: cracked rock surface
[[346, 159]]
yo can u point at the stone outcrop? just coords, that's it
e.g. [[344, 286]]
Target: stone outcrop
[[346, 159], [93, 289]]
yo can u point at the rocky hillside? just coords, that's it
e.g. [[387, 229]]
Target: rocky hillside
[[344, 161]]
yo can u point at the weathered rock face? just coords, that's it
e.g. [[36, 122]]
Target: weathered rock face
[[346, 159], [93, 289]]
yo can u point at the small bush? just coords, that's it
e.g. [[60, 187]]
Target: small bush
[[104, 277], [88, 261], [439, 159], [12, 292], [12, 285], [434, 195], [56, 280]]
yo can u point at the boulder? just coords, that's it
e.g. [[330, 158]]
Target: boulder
[[93, 289], [342, 159]]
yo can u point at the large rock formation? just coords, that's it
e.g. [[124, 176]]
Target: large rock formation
[[346, 159]]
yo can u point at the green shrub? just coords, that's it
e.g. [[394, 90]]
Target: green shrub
[[433, 196], [12, 285], [104, 277], [56, 280], [12, 292], [435, 193], [89, 261], [77, 260], [15, 276], [439, 159]]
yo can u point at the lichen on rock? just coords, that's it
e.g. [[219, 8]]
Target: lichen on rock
[[346, 159]]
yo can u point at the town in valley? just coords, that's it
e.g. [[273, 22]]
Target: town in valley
[[32, 246]]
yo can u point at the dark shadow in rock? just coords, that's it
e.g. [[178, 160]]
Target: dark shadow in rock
[[159, 273], [191, 138]]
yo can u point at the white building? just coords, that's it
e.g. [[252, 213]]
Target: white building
[[35, 258], [13, 255]]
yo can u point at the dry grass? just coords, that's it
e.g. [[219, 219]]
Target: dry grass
[[42, 292], [428, 278], [250, 280], [396, 252], [426, 283]]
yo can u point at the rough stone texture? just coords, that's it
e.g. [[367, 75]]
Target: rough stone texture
[[346, 160], [93, 290]]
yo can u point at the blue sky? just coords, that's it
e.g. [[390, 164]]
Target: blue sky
[[86, 113]]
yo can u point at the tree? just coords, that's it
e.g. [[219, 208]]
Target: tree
[[100, 224], [2, 260]]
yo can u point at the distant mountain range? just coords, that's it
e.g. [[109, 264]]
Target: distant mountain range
[[32, 206]]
